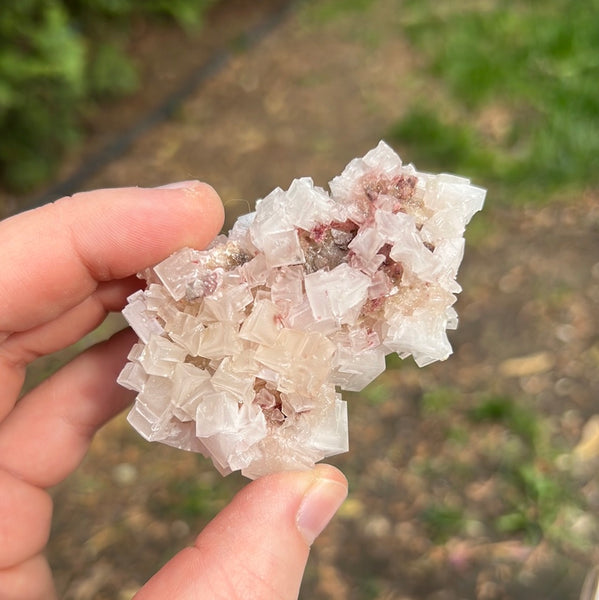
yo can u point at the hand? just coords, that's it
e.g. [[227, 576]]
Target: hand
[[63, 267]]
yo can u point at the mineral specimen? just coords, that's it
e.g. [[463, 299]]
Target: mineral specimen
[[243, 346]]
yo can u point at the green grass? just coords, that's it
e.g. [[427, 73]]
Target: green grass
[[502, 409], [377, 393], [329, 10], [540, 496], [536, 494], [442, 521], [537, 498], [523, 63], [196, 499], [439, 401]]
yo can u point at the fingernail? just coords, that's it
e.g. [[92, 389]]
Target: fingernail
[[318, 506], [178, 185]]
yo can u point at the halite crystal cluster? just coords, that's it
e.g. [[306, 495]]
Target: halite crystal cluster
[[243, 346]]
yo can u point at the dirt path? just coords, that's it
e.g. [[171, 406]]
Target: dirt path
[[313, 94]]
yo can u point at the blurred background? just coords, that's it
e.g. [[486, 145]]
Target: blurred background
[[472, 478]]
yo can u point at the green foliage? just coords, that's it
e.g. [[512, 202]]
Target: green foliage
[[393, 362], [370, 588], [112, 73], [377, 393], [439, 144], [518, 522], [330, 10], [201, 499], [524, 63], [439, 400], [536, 494], [442, 521], [187, 13], [503, 409], [42, 72], [56, 56], [537, 499], [197, 500]]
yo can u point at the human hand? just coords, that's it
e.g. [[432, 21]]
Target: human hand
[[63, 267]]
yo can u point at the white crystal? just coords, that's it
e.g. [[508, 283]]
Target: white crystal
[[177, 271], [261, 325], [142, 321], [283, 248], [243, 346], [334, 294], [133, 377], [307, 205]]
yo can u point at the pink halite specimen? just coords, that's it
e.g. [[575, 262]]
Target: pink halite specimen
[[244, 345]]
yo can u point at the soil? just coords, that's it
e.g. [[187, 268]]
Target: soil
[[306, 99]]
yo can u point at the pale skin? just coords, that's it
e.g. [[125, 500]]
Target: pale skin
[[63, 267]]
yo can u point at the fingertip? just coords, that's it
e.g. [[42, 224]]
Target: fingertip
[[308, 500], [325, 471], [320, 502], [210, 201], [177, 185], [196, 197]]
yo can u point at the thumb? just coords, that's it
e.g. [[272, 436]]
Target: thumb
[[257, 547]]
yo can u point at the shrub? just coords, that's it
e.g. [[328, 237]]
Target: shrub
[[52, 61]]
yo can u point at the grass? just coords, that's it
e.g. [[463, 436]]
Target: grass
[[439, 401], [377, 393], [442, 521], [201, 498], [503, 409], [518, 109], [330, 10], [535, 492], [537, 499]]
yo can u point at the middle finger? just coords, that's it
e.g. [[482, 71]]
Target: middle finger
[[22, 348]]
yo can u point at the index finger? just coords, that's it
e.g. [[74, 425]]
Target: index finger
[[54, 257]]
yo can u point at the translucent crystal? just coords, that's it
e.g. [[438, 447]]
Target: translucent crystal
[[141, 319], [244, 346], [176, 272]]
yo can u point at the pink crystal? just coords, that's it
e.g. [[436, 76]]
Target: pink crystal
[[243, 346]]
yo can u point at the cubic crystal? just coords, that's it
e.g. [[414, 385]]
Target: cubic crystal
[[243, 346]]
